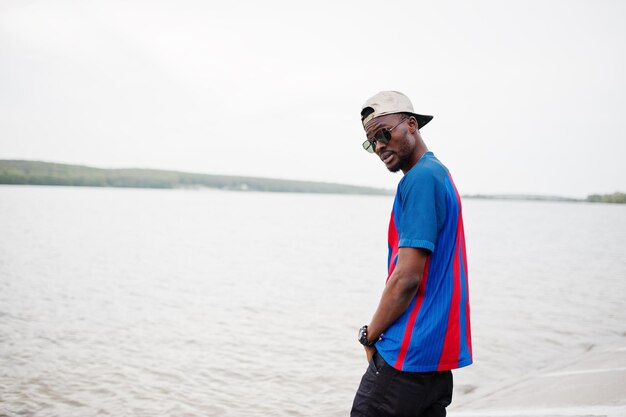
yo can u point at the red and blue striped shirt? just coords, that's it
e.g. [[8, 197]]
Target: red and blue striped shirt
[[433, 334]]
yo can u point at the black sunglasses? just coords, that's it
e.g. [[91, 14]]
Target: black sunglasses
[[382, 135]]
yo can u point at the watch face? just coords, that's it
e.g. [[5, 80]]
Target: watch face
[[363, 335]]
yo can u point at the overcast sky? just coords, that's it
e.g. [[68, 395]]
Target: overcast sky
[[528, 97]]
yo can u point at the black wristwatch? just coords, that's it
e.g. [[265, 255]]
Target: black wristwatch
[[363, 337]]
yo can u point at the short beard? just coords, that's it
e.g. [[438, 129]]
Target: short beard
[[404, 157], [394, 168]]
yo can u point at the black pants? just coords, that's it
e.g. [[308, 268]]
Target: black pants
[[385, 391]]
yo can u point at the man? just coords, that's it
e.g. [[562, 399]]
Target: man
[[421, 328]]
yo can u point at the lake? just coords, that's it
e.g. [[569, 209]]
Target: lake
[[213, 303]]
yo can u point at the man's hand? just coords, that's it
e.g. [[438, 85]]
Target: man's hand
[[369, 352]]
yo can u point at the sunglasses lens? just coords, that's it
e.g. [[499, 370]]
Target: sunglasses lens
[[368, 146], [383, 135]]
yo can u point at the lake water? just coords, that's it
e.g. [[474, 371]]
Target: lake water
[[132, 302]]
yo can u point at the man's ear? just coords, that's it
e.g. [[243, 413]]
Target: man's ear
[[412, 124]]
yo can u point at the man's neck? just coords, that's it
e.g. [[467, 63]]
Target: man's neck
[[419, 152]]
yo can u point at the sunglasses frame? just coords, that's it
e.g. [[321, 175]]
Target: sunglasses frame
[[382, 135]]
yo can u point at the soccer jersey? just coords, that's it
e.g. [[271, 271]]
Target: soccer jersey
[[433, 334]]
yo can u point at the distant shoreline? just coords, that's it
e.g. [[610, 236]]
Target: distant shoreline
[[524, 197], [23, 172], [615, 198]]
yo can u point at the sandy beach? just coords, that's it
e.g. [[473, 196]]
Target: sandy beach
[[591, 384]]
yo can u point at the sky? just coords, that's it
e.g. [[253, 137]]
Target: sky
[[528, 97]]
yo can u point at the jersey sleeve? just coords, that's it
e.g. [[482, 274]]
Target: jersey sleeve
[[418, 228]]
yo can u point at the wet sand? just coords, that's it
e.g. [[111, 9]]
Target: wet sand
[[591, 384]]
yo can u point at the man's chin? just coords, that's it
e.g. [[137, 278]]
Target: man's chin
[[395, 167]]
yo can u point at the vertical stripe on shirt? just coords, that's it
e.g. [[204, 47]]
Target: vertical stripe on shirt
[[410, 325]]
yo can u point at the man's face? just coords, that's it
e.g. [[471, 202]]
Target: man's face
[[396, 154]]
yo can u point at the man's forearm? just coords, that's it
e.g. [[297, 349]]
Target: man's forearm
[[396, 297]]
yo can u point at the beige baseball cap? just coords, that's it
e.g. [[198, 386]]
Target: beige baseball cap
[[389, 102]]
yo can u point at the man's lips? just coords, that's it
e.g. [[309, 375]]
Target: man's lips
[[386, 157]]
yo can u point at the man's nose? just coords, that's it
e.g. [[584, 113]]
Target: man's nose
[[379, 147]]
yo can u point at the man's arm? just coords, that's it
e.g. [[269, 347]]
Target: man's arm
[[399, 291]]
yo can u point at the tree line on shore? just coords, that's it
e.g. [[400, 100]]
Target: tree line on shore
[[615, 198], [47, 173]]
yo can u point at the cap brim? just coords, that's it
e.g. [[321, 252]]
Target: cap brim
[[422, 119]]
